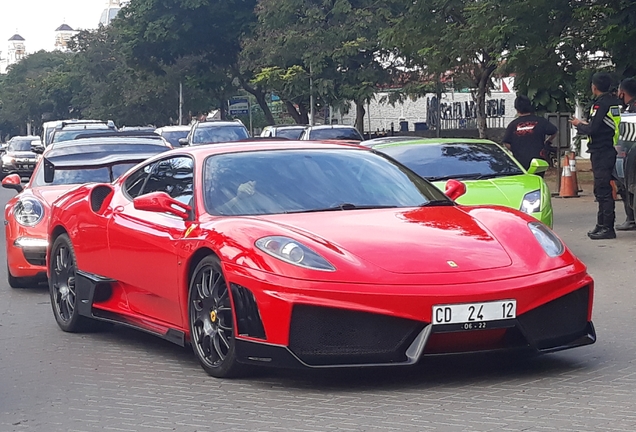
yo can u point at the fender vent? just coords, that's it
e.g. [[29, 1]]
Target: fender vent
[[248, 317], [98, 196]]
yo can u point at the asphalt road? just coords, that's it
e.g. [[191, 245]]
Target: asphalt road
[[122, 380]]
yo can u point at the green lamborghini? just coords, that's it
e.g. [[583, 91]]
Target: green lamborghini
[[492, 176]]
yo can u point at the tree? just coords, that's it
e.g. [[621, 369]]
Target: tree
[[334, 41], [157, 34], [35, 89]]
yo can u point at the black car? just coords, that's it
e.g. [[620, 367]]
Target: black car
[[18, 157]]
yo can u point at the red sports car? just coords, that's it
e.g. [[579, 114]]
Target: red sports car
[[309, 254], [26, 215]]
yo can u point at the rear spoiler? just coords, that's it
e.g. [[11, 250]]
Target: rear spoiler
[[92, 159]]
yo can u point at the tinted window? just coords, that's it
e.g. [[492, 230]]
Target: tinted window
[[267, 182], [217, 134], [457, 161], [335, 134], [19, 145], [290, 133], [135, 181], [80, 176], [173, 176], [173, 137]]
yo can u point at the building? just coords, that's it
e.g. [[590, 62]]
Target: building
[[16, 51], [112, 9], [63, 34]]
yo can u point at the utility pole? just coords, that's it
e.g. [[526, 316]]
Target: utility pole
[[180, 103], [312, 110]]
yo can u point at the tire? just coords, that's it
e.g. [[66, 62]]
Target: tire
[[211, 320], [62, 270]]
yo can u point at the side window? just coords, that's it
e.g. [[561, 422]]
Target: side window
[[175, 176], [135, 182]]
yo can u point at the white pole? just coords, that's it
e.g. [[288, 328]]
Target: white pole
[[249, 107], [312, 110], [180, 103]]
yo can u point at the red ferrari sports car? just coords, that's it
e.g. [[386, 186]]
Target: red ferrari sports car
[[309, 254], [26, 215]]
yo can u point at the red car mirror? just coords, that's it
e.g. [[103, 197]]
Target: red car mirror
[[455, 189], [161, 202], [13, 181]]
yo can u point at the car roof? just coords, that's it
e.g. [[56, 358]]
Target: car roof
[[174, 128], [110, 140], [85, 126], [25, 138], [433, 141], [388, 139], [336, 126], [219, 123], [287, 126]]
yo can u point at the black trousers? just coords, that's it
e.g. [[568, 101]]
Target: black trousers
[[603, 162], [628, 200]]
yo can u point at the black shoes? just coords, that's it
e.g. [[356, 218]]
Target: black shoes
[[627, 226], [602, 233], [596, 230]]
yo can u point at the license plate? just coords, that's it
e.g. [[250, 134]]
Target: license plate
[[474, 316]]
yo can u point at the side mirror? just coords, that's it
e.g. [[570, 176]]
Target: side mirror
[[538, 166], [183, 142], [455, 189], [13, 181], [161, 202], [37, 148]]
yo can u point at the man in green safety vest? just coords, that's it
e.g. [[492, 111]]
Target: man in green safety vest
[[602, 130]]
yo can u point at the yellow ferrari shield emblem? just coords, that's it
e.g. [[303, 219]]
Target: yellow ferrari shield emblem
[[189, 230], [453, 264]]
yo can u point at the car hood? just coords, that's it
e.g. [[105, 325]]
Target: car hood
[[22, 154], [506, 191], [49, 194], [412, 241]]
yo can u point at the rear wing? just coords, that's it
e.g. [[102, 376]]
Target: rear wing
[[96, 156]]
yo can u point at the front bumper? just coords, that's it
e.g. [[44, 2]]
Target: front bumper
[[318, 325], [23, 169], [27, 261]]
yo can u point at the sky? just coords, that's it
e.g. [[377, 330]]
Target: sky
[[36, 20]]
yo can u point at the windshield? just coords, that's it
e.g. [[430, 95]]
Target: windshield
[[290, 133], [285, 181], [335, 134], [80, 176], [62, 135], [174, 137], [455, 160], [218, 134], [19, 145]]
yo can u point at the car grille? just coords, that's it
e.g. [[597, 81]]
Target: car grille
[[557, 322], [326, 336], [248, 317]]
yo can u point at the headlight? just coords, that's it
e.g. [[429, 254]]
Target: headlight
[[547, 239], [531, 202], [8, 160], [293, 252], [28, 211]]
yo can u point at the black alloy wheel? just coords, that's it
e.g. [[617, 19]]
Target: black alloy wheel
[[211, 320], [62, 270]]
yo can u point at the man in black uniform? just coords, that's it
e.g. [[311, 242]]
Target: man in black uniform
[[526, 135], [627, 94], [602, 130]]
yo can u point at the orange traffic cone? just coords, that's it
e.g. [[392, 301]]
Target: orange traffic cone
[[573, 171], [568, 188]]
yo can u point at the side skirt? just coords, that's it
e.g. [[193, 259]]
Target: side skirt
[[85, 288]]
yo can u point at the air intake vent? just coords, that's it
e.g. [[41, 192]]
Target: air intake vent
[[249, 318]]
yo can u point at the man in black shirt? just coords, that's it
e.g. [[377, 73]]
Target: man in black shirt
[[526, 135], [602, 130], [627, 94]]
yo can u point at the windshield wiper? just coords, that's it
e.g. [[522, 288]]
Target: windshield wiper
[[344, 206], [442, 202]]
